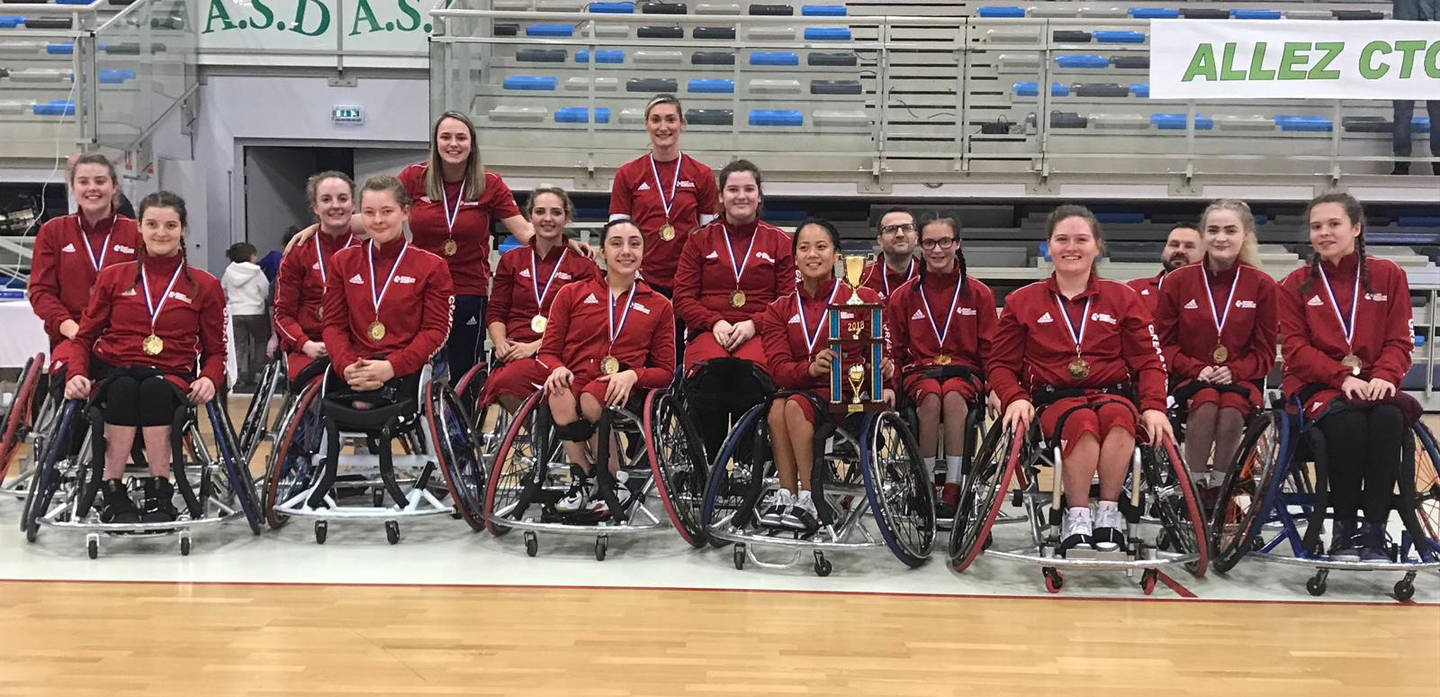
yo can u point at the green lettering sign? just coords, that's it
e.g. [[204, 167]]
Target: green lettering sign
[[1257, 60], [321, 26], [410, 13], [217, 11], [364, 13], [1368, 69], [1228, 73], [265, 12], [1432, 63], [1202, 64], [1292, 59], [1322, 70], [1407, 50]]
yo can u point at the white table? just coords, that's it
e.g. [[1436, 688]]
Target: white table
[[22, 335]]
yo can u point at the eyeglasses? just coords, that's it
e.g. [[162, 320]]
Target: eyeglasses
[[896, 229], [945, 243]]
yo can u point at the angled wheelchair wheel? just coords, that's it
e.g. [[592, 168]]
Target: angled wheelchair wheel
[[17, 417], [237, 470], [736, 481], [257, 415], [469, 387], [1175, 503], [679, 468], [529, 445], [48, 474], [982, 494], [901, 498], [1420, 491], [1242, 506], [457, 451], [293, 465]]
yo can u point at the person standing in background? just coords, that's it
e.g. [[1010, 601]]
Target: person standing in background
[[246, 290], [1415, 11]]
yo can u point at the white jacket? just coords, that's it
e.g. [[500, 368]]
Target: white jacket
[[246, 288]]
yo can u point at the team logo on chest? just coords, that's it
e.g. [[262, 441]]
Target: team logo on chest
[[1045, 319], [1315, 301], [1192, 305]]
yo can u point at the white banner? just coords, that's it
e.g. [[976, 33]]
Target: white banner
[[1281, 59], [315, 25]]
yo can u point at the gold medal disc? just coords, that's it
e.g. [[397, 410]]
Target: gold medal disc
[[1079, 368], [538, 323], [449, 248], [942, 359], [1352, 362], [610, 365], [737, 299], [1219, 354], [152, 345], [376, 330], [667, 232]]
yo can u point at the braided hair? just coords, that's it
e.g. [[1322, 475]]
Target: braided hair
[[164, 199], [952, 222], [1356, 214]]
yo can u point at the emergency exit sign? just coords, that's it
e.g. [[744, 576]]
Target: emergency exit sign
[[347, 114]]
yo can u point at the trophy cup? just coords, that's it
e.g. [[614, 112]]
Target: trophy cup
[[856, 324]]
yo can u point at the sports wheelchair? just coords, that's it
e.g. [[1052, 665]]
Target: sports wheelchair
[[213, 487], [869, 486], [308, 475], [29, 415], [1275, 497], [974, 423], [262, 420], [1164, 526]]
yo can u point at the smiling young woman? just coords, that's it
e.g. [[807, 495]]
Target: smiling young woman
[[300, 282]]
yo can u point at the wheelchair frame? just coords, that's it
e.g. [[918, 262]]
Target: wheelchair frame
[[31, 416], [1290, 498], [864, 479]]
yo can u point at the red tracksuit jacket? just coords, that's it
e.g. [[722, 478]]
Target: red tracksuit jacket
[[1149, 289], [415, 309], [972, 326], [636, 195], [786, 347], [579, 333], [1312, 340], [512, 295], [1186, 325], [191, 323], [300, 287], [63, 272], [705, 280], [889, 281], [470, 266], [1033, 347]]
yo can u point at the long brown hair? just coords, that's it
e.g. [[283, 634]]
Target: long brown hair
[[474, 178], [164, 199], [1356, 213]]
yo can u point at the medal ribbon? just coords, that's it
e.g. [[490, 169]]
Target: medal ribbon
[[739, 268], [150, 304], [624, 316], [805, 324], [660, 187], [370, 256], [1085, 319], [320, 254], [1221, 317], [104, 247], [930, 315], [449, 214], [1348, 328], [540, 295], [885, 276]]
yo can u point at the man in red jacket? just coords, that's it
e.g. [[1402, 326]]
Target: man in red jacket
[[1181, 247]]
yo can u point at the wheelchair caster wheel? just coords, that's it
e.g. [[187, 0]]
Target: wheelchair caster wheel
[[532, 543], [602, 544], [185, 546], [822, 565], [1316, 585], [92, 546], [321, 528], [1147, 581], [392, 532], [1053, 580], [739, 557]]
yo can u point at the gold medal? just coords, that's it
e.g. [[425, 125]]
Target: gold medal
[[610, 365], [737, 299], [376, 330], [942, 359], [1219, 354], [1079, 368], [538, 323], [1352, 362], [153, 345], [449, 248], [667, 232]]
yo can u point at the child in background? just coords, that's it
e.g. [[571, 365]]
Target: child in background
[[246, 291]]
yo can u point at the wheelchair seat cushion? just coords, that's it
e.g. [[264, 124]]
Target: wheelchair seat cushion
[[734, 384], [1244, 397], [1069, 419], [343, 412]]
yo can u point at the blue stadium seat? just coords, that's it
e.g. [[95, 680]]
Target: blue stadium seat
[[1245, 13], [1140, 89], [822, 10], [774, 58], [602, 55], [1026, 89], [1420, 124], [11, 22], [579, 114], [997, 11], [1059, 90], [1176, 122], [54, 107], [531, 83], [827, 34], [1154, 13], [1108, 36], [612, 8], [1288, 122], [564, 30], [711, 85], [1082, 62], [776, 117], [116, 76]]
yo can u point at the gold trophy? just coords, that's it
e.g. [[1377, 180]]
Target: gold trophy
[[854, 268], [856, 327]]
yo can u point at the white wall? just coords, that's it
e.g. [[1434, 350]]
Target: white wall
[[292, 111]]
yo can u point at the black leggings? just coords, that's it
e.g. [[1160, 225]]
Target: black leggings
[[1363, 448], [133, 399]]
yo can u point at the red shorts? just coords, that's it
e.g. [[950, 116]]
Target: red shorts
[[917, 388], [704, 347], [1095, 415], [1226, 399], [296, 363], [514, 379]]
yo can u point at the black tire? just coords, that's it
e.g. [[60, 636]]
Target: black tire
[[1243, 501], [898, 488], [982, 494], [237, 472], [291, 468], [1419, 482], [252, 427], [529, 446], [458, 452], [47, 470], [677, 461], [733, 480], [1175, 503]]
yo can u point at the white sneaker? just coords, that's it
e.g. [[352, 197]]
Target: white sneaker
[[622, 495], [780, 503], [576, 496], [802, 515], [1078, 529], [1109, 524]]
